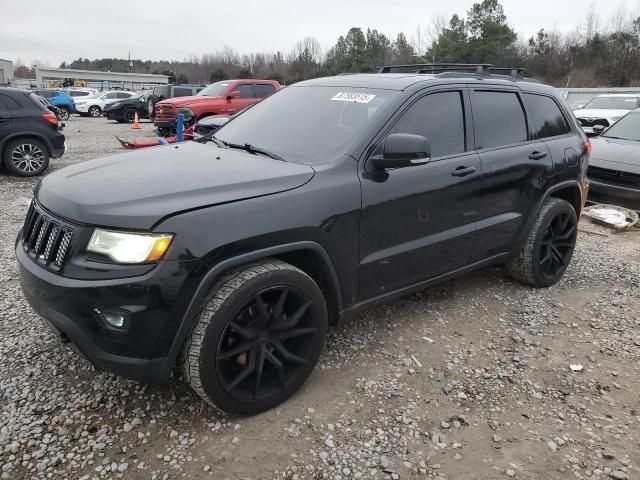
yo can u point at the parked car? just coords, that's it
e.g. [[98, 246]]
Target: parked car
[[230, 255], [80, 92], [605, 110], [30, 134], [164, 92], [220, 98], [93, 105], [59, 99], [49, 106], [614, 168], [124, 111]]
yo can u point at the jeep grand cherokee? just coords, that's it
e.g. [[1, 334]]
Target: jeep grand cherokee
[[229, 256]]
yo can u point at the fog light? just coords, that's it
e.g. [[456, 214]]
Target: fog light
[[116, 320]]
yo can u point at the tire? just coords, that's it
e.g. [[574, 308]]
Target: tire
[[128, 115], [94, 111], [549, 246], [151, 105], [63, 113], [235, 341], [26, 157]]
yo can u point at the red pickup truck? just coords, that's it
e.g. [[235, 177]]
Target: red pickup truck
[[220, 98]]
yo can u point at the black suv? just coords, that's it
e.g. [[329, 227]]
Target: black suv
[[230, 255], [30, 134], [162, 92]]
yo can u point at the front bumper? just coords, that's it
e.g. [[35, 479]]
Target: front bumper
[[606, 192], [84, 108], [154, 304]]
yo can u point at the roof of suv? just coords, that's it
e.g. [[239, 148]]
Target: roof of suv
[[403, 81]]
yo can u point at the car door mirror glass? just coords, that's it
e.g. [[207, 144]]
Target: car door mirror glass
[[234, 94], [403, 150]]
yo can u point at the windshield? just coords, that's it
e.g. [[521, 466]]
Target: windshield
[[307, 124], [627, 128], [613, 103], [214, 90]]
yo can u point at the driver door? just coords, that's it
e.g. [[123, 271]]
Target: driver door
[[418, 222]]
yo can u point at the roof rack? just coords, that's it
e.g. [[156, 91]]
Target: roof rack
[[433, 68]]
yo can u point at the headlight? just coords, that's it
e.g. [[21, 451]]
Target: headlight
[[187, 113], [129, 248]]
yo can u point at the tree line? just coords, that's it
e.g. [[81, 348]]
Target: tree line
[[594, 54]]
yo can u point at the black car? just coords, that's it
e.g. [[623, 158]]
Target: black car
[[162, 92], [614, 167], [124, 111], [230, 256], [30, 134]]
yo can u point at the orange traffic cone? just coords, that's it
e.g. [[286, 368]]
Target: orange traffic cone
[[136, 123]]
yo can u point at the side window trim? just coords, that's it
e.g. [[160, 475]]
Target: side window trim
[[497, 89], [404, 108]]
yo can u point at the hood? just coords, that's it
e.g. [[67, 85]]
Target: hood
[[187, 101], [137, 189], [615, 154], [600, 113]]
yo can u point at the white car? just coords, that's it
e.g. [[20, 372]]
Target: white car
[[605, 110], [93, 105]]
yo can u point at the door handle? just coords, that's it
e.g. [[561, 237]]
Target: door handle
[[537, 155], [463, 171]]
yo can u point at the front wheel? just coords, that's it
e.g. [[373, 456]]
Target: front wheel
[[94, 111], [129, 115], [257, 339], [549, 246]]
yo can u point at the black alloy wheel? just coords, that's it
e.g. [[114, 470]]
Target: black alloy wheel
[[557, 244], [129, 115], [267, 343]]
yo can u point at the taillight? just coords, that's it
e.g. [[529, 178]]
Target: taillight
[[589, 147], [51, 118]]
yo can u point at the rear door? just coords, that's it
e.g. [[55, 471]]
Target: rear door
[[514, 169], [418, 222]]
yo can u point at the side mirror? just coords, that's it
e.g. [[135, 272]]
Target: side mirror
[[403, 150], [598, 129], [234, 94]]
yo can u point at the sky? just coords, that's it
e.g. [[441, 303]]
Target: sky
[[53, 32]]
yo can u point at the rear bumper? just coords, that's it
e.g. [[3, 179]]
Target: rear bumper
[[605, 192], [58, 146]]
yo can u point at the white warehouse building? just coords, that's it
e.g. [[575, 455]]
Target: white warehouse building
[[6, 71]]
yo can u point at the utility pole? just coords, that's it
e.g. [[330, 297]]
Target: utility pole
[[130, 63]]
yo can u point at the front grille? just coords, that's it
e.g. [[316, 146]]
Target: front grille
[[592, 122], [165, 113], [46, 239], [614, 176]]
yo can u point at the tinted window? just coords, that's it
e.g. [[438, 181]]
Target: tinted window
[[123, 95], [439, 117], [264, 90], [77, 93], [110, 96], [545, 117], [246, 91], [498, 119], [182, 92]]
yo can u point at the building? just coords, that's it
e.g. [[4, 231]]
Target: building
[[55, 77], [6, 71]]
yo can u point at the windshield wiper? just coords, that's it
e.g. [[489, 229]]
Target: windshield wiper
[[255, 150], [210, 137]]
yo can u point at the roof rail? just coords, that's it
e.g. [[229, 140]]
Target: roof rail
[[433, 68]]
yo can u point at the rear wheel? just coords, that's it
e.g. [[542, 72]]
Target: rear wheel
[[257, 339], [129, 115], [549, 246], [94, 111], [63, 113], [26, 157]]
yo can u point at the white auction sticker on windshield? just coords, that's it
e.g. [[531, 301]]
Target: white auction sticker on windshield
[[353, 97]]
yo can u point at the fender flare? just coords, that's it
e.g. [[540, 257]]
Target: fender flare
[[209, 279], [26, 133], [550, 191]]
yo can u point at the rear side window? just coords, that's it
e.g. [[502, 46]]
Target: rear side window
[[246, 91], [440, 118], [498, 119], [11, 103], [123, 95], [263, 90], [545, 117], [182, 92]]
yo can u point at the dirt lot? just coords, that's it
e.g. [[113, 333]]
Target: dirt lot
[[468, 380]]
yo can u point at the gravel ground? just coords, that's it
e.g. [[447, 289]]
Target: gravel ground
[[470, 379]]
